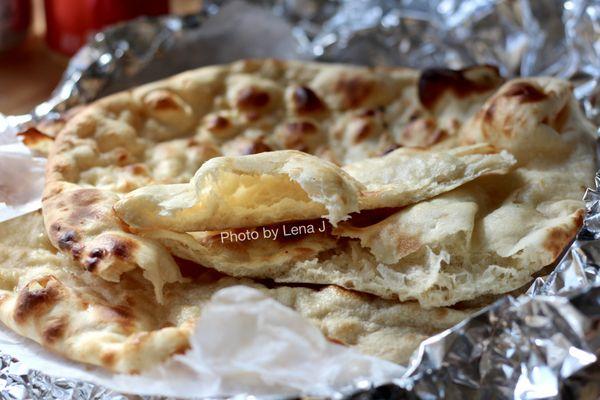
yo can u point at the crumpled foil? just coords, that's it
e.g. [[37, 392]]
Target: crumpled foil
[[542, 345]]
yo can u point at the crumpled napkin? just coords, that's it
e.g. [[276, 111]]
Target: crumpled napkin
[[21, 177]]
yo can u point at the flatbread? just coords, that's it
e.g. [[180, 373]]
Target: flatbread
[[288, 185], [246, 191], [451, 190], [162, 133], [487, 237], [47, 298]]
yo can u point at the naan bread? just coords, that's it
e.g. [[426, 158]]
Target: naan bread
[[287, 185], [162, 133], [246, 191], [487, 237], [47, 298], [440, 212]]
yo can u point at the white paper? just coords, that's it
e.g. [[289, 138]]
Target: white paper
[[21, 177], [244, 342]]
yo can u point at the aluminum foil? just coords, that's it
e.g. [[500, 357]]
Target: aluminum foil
[[542, 345]]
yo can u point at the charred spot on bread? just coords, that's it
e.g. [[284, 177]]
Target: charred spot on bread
[[255, 147], [94, 258], [66, 240], [306, 101], [162, 100], [525, 92], [435, 82], [123, 248], [296, 134], [558, 237], [36, 298], [355, 90], [217, 123], [251, 98], [55, 330]]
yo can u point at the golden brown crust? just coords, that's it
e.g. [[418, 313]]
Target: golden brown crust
[[36, 298], [559, 237]]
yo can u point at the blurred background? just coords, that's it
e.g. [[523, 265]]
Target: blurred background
[[523, 38], [37, 37]]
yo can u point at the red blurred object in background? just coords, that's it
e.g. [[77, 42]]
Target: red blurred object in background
[[69, 22]]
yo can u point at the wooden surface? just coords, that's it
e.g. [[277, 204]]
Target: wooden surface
[[29, 73]]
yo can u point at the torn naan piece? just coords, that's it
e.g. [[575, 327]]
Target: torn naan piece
[[246, 191], [45, 297], [407, 176], [279, 186]]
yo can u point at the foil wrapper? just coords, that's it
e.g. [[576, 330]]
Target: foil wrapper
[[542, 345]]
